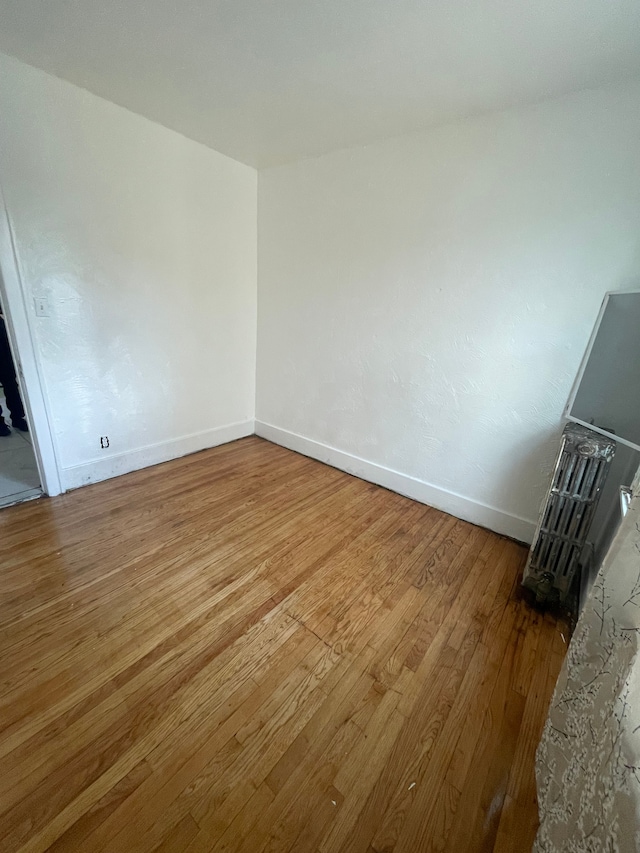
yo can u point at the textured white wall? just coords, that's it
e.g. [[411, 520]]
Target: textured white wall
[[144, 243], [424, 302]]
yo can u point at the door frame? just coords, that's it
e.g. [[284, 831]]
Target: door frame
[[23, 345]]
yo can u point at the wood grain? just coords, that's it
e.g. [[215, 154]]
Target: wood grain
[[247, 651]]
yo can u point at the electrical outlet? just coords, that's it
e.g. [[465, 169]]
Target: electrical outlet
[[104, 441]]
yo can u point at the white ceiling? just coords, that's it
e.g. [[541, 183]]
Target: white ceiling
[[268, 81]]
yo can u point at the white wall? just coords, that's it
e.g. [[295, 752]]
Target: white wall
[[424, 302], [144, 243]]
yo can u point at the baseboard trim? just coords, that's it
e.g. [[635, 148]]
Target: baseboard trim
[[485, 515], [123, 463]]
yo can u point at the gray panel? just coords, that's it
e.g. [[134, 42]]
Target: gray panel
[[608, 395]]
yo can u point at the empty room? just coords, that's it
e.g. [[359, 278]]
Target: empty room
[[320, 434]]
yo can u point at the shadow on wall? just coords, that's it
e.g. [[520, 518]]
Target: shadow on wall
[[530, 473]]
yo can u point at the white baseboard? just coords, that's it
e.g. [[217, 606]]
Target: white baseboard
[[122, 463], [491, 517]]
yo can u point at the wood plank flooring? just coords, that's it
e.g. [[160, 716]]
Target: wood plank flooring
[[247, 651]]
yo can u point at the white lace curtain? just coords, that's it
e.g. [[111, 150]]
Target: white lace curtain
[[588, 762]]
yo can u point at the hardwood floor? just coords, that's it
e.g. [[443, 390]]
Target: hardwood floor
[[245, 650]]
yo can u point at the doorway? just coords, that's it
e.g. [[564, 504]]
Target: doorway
[[19, 476], [30, 467]]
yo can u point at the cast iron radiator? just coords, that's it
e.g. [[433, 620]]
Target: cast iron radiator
[[561, 536]]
